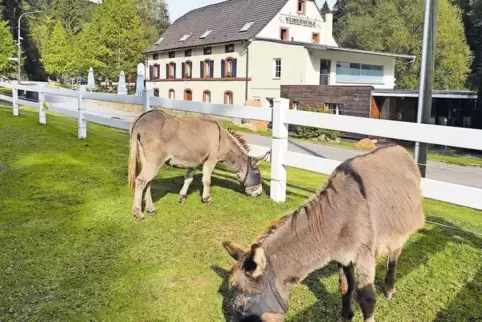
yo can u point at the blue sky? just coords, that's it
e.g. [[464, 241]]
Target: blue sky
[[179, 7]]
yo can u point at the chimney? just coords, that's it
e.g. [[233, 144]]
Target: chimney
[[328, 30]]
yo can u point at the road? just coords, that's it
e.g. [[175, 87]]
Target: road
[[468, 176]]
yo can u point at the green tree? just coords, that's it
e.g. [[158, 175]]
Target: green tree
[[7, 49], [397, 26], [340, 10], [57, 52], [114, 39], [89, 51], [153, 16], [325, 9]]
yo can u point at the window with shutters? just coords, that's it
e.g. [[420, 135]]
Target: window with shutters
[[277, 68], [172, 94], [207, 96], [228, 68], [187, 69], [171, 70], [207, 68], [156, 71], [228, 97]]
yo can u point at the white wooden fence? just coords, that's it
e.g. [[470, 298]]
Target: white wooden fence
[[280, 116]]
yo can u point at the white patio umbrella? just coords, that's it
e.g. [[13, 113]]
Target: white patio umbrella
[[140, 79], [121, 86], [90, 79]]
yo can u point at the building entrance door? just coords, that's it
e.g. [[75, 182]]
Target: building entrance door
[[188, 95], [325, 68]]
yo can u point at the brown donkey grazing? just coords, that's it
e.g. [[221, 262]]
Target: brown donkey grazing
[[370, 205], [158, 137]]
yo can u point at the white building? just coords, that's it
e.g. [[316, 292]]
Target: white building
[[243, 49]]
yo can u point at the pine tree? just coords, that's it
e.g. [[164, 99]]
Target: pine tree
[[340, 9], [7, 49], [114, 39], [397, 26], [72, 14], [325, 9], [57, 52]]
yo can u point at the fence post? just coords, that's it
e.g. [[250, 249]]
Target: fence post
[[147, 93], [42, 117], [81, 108], [278, 150], [15, 97]]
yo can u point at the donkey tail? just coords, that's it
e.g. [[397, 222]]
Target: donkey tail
[[133, 157]]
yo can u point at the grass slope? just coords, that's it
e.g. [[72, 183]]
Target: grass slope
[[71, 251]]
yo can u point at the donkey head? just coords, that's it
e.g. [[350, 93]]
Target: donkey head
[[255, 293], [250, 176]]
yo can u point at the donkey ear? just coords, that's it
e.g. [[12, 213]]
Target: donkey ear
[[234, 250], [256, 160], [256, 262]]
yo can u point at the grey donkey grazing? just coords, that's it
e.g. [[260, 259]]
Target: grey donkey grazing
[[158, 137], [370, 205]]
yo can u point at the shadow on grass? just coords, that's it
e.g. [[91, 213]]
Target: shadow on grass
[[413, 255], [224, 291], [173, 185]]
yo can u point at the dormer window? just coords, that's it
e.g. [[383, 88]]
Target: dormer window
[[184, 37], [302, 7], [246, 26], [159, 40], [205, 34]]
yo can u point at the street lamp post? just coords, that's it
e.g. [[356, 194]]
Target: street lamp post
[[18, 40]]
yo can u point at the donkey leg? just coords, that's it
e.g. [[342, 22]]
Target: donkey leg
[[150, 207], [188, 178], [148, 173], [347, 286], [366, 296], [390, 277], [207, 173]]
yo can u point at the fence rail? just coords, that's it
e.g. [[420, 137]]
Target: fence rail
[[280, 116]]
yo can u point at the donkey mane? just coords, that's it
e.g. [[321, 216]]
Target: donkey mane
[[239, 139], [313, 207]]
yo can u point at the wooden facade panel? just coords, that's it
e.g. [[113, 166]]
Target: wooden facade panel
[[352, 100]]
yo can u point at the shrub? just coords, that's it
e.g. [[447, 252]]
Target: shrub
[[323, 135]]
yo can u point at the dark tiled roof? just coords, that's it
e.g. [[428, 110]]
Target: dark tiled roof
[[225, 19]]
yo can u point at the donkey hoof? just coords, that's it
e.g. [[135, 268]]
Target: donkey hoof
[[151, 210], [181, 200], [139, 217], [208, 200], [344, 320]]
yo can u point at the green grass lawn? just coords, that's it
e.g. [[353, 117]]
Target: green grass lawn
[[72, 252]]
